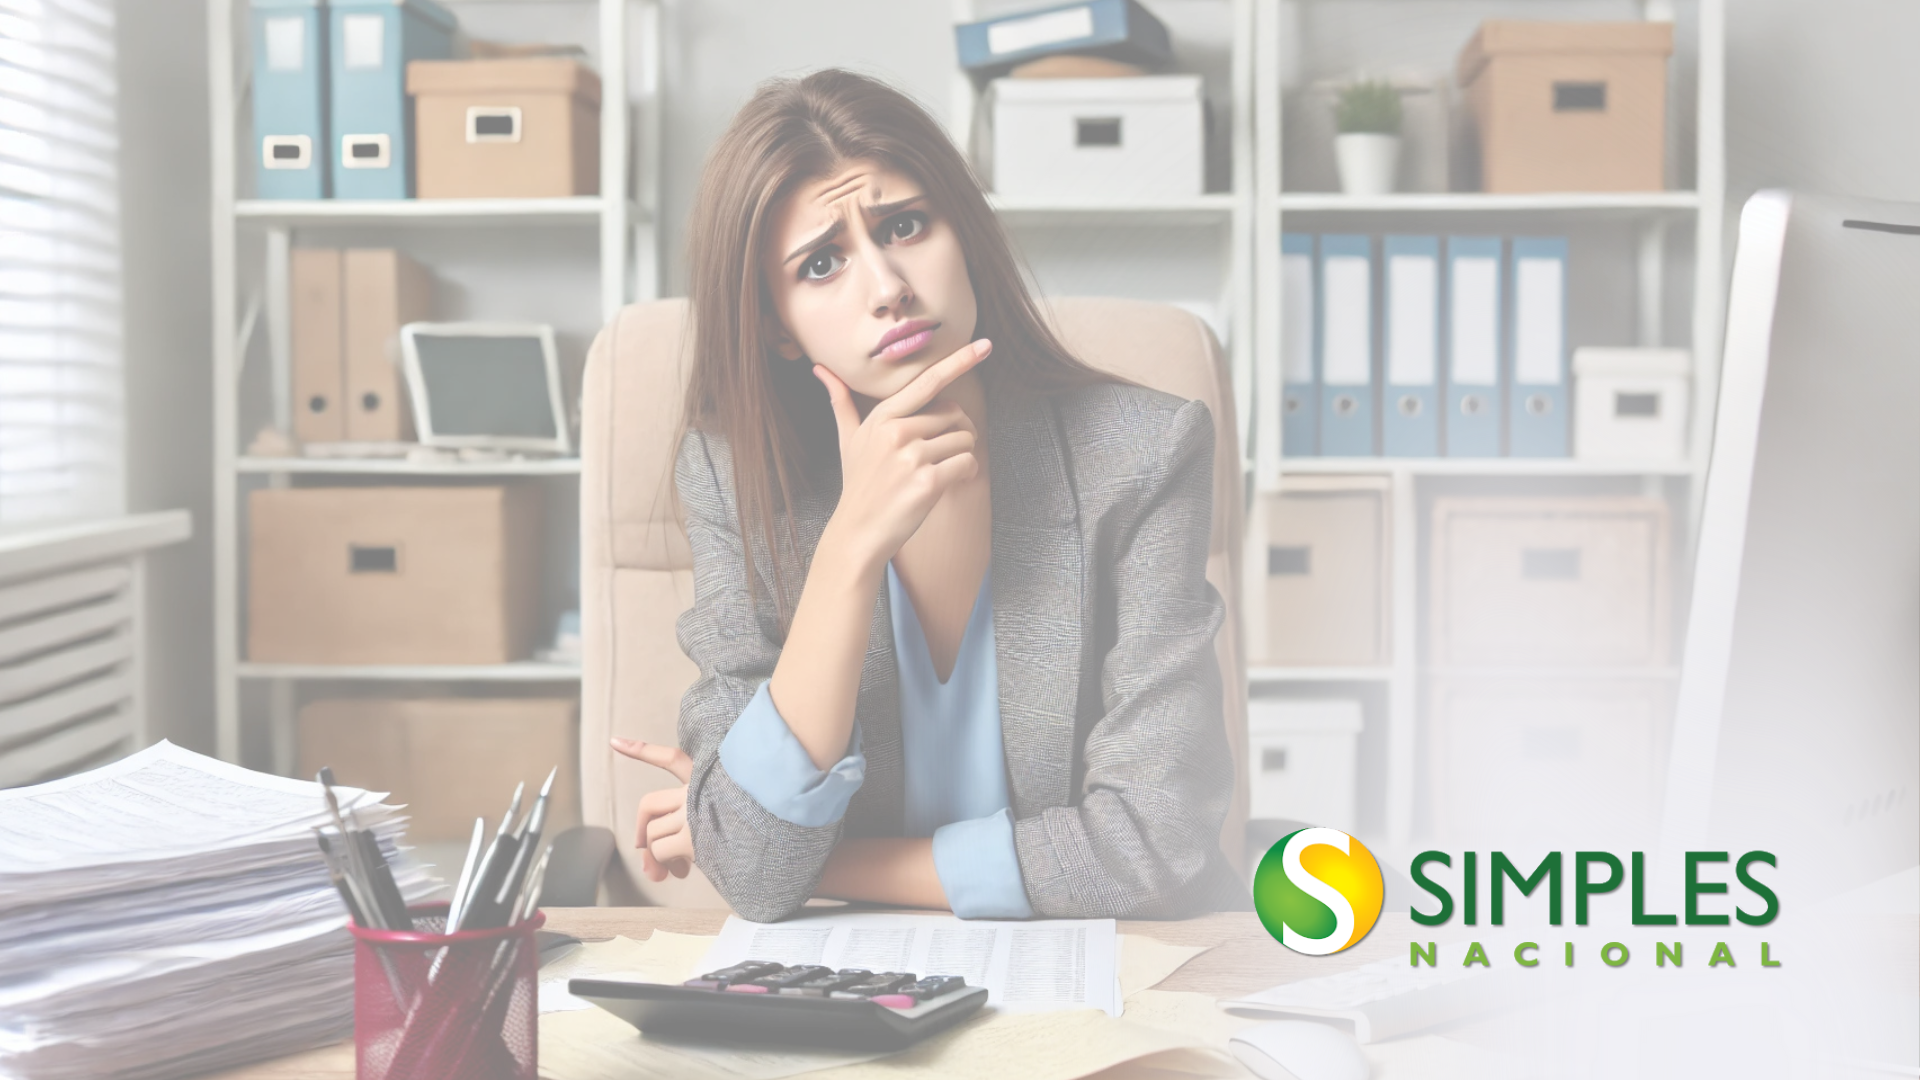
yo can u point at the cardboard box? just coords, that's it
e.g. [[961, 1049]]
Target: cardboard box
[[393, 575], [1521, 582], [385, 290], [506, 128], [1566, 106], [1077, 141], [1327, 587], [1546, 759], [449, 759]]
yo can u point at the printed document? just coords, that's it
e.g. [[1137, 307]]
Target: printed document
[[1025, 966]]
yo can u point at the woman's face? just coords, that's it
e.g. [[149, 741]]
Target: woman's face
[[867, 278]]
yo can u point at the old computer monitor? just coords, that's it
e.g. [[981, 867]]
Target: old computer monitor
[[486, 386]]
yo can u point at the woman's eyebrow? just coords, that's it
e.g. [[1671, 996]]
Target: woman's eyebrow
[[877, 210], [832, 231], [891, 208]]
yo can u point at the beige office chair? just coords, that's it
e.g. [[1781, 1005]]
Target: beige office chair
[[636, 570]]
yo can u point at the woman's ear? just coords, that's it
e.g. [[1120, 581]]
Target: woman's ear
[[771, 330]]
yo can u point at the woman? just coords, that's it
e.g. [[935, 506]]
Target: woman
[[950, 611]]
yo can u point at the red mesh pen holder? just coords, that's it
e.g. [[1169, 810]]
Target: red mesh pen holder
[[429, 1005]]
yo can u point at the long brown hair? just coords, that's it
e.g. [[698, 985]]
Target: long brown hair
[[772, 412]]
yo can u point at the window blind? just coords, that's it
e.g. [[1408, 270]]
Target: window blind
[[61, 381]]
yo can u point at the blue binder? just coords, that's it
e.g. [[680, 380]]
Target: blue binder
[[289, 98], [1537, 409], [1117, 29], [1346, 346], [1410, 288], [1476, 407], [1299, 379], [372, 42]]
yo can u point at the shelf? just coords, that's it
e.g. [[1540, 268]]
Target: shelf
[[569, 466], [1481, 467], [581, 210], [1553, 674], [1582, 206], [522, 671], [1198, 210], [1318, 674]]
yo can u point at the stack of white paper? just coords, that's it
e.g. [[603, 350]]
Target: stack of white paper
[[169, 914]]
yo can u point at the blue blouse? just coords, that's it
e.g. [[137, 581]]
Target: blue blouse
[[956, 776]]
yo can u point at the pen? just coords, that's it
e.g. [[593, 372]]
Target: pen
[[506, 900], [353, 858], [465, 880], [385, 891], [341, 882]]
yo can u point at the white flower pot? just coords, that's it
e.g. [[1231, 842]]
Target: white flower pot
[[1368, 162]]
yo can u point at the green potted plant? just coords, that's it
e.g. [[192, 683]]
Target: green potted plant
[[1367, 116]]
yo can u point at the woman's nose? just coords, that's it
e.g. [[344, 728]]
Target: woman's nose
[[888, 287]]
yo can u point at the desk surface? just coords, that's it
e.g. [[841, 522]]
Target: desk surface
[[1241, 957]]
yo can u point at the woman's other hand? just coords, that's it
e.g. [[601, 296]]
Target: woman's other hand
[[897, 462], [661, 835]]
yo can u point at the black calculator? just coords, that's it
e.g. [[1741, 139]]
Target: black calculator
[[802, 1005]]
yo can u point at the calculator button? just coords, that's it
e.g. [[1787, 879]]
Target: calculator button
[[794, 976], [878, 984], [935, 985], [746, 988], [895, 1001], [823, 985]]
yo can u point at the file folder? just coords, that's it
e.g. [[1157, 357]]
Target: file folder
[[1537, 408], [1410, 414], [1475, 298], [1299, 389], [316, 315], [372, 42], [1346, 346], [289, 99], [385, 290], [1116, 29]]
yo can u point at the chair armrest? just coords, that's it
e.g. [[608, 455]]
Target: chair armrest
[[576, 865]]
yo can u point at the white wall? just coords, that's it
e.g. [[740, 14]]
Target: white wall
[[1819, 97]]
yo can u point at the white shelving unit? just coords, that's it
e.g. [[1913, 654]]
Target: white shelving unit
[[1649, 219], [251, 242]]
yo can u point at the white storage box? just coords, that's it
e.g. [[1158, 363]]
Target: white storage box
[[1302, 756], [1541, 760], [1538, 582], [1631, 404], [1097, 140]]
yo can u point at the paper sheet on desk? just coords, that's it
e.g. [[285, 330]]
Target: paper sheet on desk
[[1025, 966], [161, 807]]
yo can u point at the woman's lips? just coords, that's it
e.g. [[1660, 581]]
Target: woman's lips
[[905, 347], [905, 341]]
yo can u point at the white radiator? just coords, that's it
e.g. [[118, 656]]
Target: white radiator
[[72, 637]]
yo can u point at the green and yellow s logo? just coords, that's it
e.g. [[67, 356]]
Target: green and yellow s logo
[[1318, 891]]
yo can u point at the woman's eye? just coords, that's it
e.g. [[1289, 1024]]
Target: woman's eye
[[906, 226], [822, 265]]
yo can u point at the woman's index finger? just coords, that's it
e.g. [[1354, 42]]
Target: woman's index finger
[[927, 385]]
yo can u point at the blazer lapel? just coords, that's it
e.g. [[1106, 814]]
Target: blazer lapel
[[1038, 593]]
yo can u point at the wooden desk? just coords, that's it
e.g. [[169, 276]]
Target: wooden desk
[[1241, 957]]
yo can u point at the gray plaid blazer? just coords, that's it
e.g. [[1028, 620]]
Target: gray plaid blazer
[[1110, 700]]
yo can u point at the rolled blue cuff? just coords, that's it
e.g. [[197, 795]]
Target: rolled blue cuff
[[980, 870], [762, 755]]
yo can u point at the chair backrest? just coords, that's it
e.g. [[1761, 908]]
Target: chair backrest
[[636, 569]]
